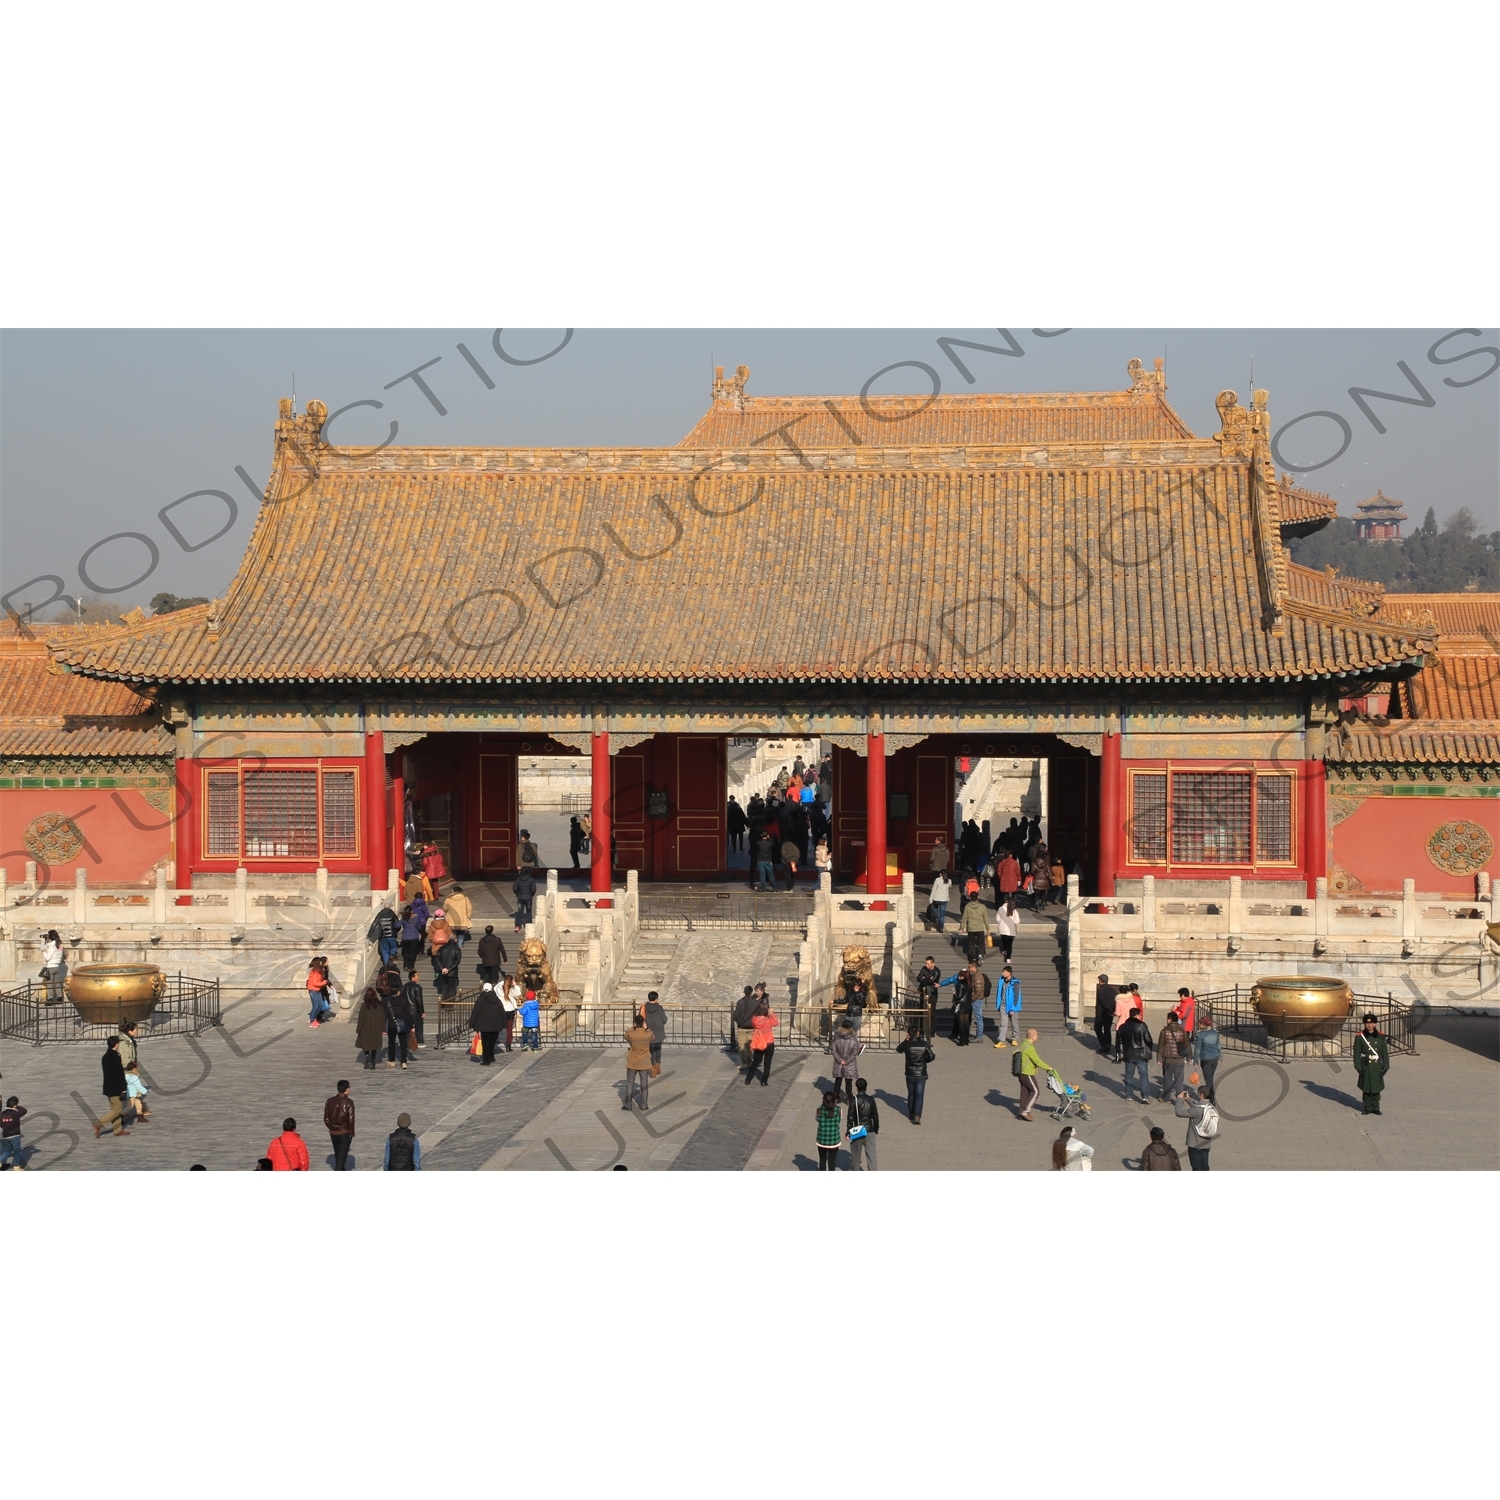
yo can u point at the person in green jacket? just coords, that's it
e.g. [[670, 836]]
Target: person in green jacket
[[976, 924], [1372, 1061], [1032, 1063]]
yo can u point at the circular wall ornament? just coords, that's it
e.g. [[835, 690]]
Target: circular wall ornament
[[1460, 848], [53, 837]]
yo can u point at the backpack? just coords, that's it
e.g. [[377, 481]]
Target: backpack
[[1015, 1063], [1208, 1126]]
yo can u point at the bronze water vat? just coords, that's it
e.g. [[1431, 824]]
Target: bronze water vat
[[1311, 1006], [111, 994]]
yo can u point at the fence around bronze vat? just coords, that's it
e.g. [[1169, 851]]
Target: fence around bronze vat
[[1242, 1028], [799, 1028], [753, 911], [188, 1008]]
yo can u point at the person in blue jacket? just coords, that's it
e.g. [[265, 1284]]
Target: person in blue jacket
[[531, 1022], [1008, 1008]]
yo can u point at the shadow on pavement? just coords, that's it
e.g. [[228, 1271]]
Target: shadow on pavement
[[1334, 1096], [1477, 1034]]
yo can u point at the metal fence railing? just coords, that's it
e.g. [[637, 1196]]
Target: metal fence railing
[[799, 1028], [1242, 1028], [755, 911], [188, 1008]]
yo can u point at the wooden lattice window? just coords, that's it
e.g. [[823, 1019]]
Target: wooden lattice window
[[222, 835], [281, 814], [1273, 819], [340, 813], [1148, 817], [1211, 817]]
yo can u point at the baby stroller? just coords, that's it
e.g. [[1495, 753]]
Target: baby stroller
[[1073, 1101]]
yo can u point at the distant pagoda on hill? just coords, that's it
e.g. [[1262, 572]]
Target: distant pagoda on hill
[[1379, 518]]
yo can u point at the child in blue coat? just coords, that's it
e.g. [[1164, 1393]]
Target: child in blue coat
[[531, 1022]]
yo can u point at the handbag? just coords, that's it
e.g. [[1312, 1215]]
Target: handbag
[[476, 1047], [859, 1133]]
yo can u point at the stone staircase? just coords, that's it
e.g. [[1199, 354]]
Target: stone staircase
[[647, 967], [1038, 959], [709, 967]]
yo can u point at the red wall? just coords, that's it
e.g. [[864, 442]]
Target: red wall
[[1385, 842], [124, 836]]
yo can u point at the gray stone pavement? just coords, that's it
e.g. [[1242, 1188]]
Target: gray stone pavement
[[219, 1099], [1438, 1112]]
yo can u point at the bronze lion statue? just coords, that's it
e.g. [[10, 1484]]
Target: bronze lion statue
[[856, 966], [535, 971]]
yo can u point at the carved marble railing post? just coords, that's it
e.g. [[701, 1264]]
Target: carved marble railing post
[[1148, 911], [81, 897], [1236, 912], [239, 904], [1408, 918], [159, 897], [1321, 915], [1075, 951]]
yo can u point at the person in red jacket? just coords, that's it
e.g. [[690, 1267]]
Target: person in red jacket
[[288, 1152], [1186, 1011]]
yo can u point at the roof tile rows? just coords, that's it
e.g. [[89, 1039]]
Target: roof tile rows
[[1440, 742], [1086, 573], [1454, 684], [48, 712], [916, 421]]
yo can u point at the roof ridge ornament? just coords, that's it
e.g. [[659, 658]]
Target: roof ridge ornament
[[1146, 383], [305, 431], [1234, 435], [731, 392]]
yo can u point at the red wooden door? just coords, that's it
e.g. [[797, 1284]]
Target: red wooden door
[[494, 813], [850, 802], [695, 847], [934, 805], [628, 783]]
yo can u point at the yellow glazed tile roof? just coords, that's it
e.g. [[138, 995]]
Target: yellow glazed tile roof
[[670, 566]]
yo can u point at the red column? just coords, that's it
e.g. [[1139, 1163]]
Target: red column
[[1314, 821], [396, 821], [1110, 787], [875, 881], [185, 824], [377, 845], [599, 852]]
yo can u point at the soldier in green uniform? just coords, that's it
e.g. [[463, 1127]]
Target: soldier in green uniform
[[1372, 1060]]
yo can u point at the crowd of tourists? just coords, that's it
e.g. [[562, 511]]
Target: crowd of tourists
[[786, 831], [1186, 1050]]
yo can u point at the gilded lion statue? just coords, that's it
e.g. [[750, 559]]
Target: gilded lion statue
[[856, 966], [535, 971]]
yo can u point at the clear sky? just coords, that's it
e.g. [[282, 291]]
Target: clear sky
[[99, 430]]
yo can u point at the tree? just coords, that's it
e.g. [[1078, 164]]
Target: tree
[[1429, 561], [166, 604], [91, 610]]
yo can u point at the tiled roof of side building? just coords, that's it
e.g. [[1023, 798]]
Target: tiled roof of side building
[[1303, 511], [736, 420], [49, 712], [1324, 590], [1461, 685], [1462, 614], [1439, 742], [478, 574]]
